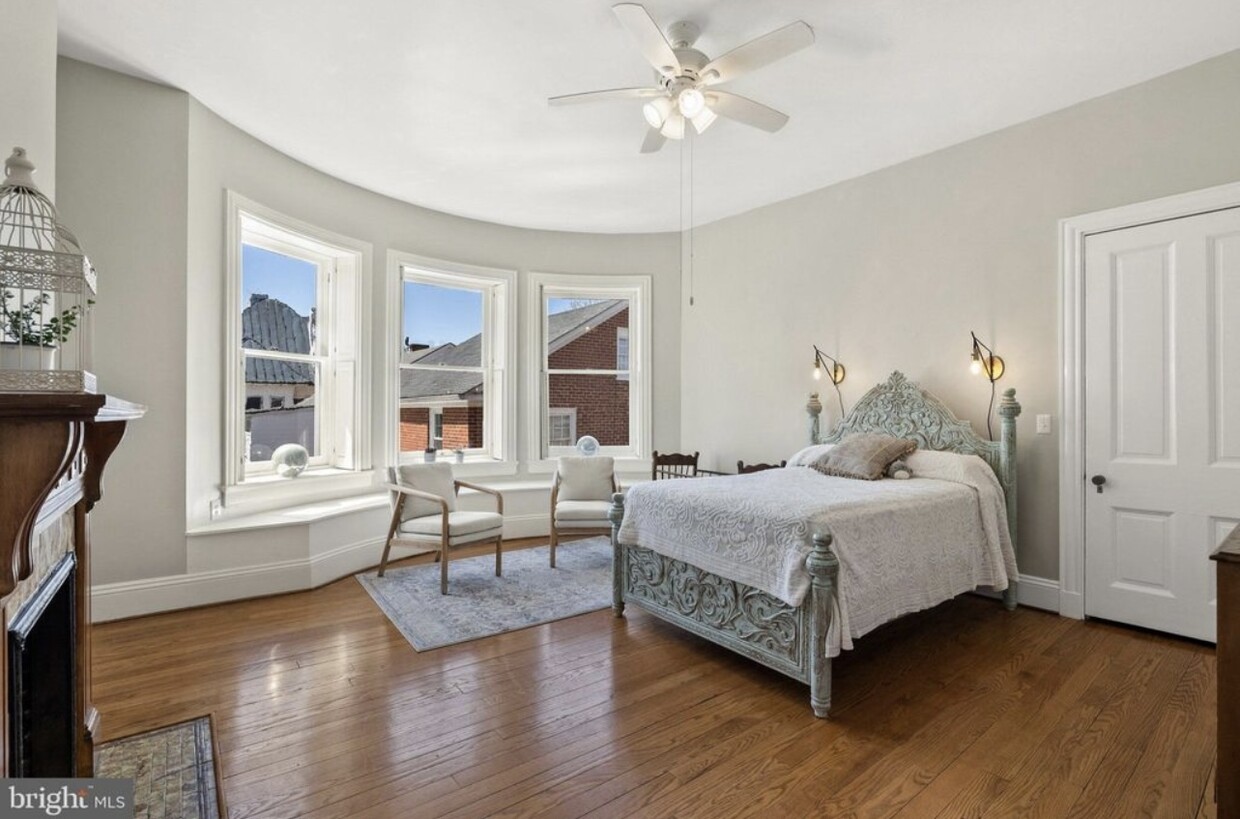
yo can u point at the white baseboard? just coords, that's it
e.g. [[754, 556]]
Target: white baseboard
[[1038, 593], [1034, 592], [134, 598]]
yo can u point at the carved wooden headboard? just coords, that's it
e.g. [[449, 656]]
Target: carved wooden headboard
[[899, 407]]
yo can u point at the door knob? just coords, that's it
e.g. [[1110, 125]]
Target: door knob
[[1098, 481]]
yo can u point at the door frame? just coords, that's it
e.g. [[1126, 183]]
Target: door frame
[[1073, 232]]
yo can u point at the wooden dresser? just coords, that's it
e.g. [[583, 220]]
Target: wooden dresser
[[1228, 774], [53, 448]]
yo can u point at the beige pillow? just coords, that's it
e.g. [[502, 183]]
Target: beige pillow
[[864, 456], [584, 479], [433, 478]]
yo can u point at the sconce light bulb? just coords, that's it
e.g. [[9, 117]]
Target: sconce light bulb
[[976, 366], [817, 371]]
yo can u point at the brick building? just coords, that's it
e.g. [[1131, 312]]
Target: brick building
[[443, 407]]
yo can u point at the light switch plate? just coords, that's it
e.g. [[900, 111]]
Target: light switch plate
[[1044, 425]]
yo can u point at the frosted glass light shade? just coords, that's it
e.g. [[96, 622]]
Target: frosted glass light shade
[[691, 102], [657, 110]]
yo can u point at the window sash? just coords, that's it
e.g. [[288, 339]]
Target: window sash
[[544, 293], [491, 369]]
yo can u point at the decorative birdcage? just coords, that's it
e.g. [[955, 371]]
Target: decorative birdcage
[[47, 287]]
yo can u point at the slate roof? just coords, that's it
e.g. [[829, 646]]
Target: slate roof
[[422, 385], [270, 324]]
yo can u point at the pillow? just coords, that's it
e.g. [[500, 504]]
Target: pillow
[[433, 478], [863, 456], [899, 469], [583, 479], [810, 454]]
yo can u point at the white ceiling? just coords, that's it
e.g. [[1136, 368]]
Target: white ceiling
[[443, 102]]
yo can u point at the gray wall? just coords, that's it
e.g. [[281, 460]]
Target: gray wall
[[892, 270], [122, 153], [28, 86], [146, 170]]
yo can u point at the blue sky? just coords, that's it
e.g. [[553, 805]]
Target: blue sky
[[432, 314]]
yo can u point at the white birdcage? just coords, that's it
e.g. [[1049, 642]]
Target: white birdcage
[[46, 290]]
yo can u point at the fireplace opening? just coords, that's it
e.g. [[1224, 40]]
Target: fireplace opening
[[41, 679]]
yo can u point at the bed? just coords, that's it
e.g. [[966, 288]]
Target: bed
[[793, 610]]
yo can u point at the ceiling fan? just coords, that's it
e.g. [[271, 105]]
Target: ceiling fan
[[687, 78]]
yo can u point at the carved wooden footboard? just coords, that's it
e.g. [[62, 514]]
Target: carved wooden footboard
[[792, 640]]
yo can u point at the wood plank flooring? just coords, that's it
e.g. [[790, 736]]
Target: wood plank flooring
[[324, 710]]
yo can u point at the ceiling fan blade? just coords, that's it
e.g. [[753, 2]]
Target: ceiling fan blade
[[756, 53], [653, 141], [650, 40], [743, 109], [608, 95]]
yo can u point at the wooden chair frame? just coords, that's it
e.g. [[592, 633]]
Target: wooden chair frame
[[444, 535], [744, 469], [574, 530], [673, 465]]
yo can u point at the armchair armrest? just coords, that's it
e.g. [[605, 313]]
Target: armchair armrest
[[499, 497]]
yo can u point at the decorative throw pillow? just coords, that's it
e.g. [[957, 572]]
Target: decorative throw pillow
[[864, 456], [433, 478], [583, 479]]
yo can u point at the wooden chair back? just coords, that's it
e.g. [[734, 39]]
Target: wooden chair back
[[673, 465], [744, 469]]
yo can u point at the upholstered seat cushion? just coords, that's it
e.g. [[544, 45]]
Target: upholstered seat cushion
[[583, 511], [463, 527]]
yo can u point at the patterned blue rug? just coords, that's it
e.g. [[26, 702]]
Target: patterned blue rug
[[479, 604]]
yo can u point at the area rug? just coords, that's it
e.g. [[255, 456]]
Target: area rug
[[173, 770], [479, 604]]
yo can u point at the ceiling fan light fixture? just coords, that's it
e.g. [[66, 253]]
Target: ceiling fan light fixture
[[657, 110], [674, 128], [691, 102], [703, 120]]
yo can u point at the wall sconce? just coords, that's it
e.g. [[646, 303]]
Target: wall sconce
[[984, 361], [835, 372], [989, 363]]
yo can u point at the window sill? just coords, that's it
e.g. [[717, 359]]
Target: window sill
[[629, 469], [477, 468], [267, 492]]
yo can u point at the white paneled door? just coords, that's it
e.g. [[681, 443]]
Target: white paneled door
[[1162, 418]]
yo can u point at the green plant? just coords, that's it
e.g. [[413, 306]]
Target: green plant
[[24, 324]]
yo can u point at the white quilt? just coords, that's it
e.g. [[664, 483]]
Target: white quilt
[[903, 546]]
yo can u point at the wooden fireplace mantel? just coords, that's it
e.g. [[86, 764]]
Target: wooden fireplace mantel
[[53, 450]]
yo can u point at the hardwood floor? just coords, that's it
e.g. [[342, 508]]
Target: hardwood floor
[[324, 710]]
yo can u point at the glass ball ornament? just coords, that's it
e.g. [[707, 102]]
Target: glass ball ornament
[[290, 460]]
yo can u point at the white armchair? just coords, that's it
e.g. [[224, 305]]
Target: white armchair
[[424, 514], [581, 498]]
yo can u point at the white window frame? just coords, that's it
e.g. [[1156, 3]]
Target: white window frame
[[637, 290], [622, 334], [498, 455], [342, 399], [567, 412]]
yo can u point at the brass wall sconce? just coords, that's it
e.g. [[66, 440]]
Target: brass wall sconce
[[835, 373], [988, 363], [984, 361]]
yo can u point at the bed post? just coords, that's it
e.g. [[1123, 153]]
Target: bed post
[[616, 516], [1008, 411], [814, 408], [824, 569]]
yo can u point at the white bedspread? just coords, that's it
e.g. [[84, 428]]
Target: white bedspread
[[903, 546]]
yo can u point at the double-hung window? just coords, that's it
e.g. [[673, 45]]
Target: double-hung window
[[454, 346], [589, 363], [294, 375]]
